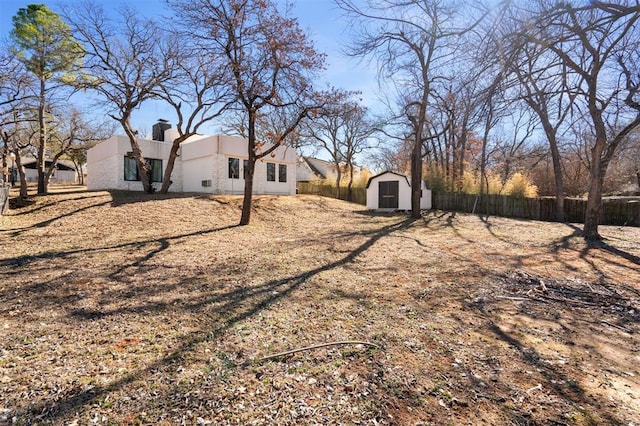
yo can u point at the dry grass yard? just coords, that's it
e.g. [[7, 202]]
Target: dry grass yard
[[126, 309]]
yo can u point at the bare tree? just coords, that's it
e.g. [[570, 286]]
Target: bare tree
[[15, 83], [126, 63], [412, 41], [394, 155], [342, 130], [71, 134], [542, 84], [270, 61], [598, 50], [18, 135], [512, 147], [199, 93]]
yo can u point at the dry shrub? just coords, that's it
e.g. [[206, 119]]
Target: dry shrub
[[520, 185]]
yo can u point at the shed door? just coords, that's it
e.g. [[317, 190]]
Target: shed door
[[388, 194]]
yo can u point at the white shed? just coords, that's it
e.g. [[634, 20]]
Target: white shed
[[392, 191]]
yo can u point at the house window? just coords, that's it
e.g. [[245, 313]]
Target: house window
[[282, 172], [245, 168], [156, 169], [271, 172], [130, 169], [131, 172], [234, 168]]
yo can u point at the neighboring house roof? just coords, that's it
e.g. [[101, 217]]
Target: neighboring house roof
[[310, 169], [319, 167], [304, 172], [388, 172], [31, 163]]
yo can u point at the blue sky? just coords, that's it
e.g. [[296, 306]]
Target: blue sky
[[319, 18]]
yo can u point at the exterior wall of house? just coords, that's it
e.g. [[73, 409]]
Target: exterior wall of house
[[106, 164], [197, 155], [103, 165], [202, 165], [282, 155], [63, 176], [404, 192], [59, 176]]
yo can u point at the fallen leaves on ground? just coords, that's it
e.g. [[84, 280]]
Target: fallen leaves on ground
[[126, 308]]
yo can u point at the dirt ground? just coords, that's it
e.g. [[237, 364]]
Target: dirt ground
[[121, 308]]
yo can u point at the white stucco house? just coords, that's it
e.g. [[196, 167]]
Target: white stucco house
[[390, 191], [211, 164]]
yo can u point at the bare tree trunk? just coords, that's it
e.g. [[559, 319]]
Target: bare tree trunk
[[143, 168], [249, 172], [558, 180], [79, 172], [5, 153], [338, 179], [166, 178], [463, 149], [555, 158], [350, 184], [248, 190], [416, 178], [597, 172], [40, 164], [594, 204], [23, 179]]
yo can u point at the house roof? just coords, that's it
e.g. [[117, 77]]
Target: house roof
[[306, 171], [310, 169], [60, 165], [318, 167], [387, 172]]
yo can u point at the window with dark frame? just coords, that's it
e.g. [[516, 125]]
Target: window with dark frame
[[131, 169], [156, 169], [245, 167], [131, 172], [271, 172], [282, 172], [234, 168]]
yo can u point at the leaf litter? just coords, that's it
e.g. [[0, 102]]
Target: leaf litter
[[124, 308]]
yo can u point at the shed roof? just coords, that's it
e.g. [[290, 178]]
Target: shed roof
[[388, 172]]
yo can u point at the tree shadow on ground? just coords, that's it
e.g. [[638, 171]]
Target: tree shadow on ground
[[593, 246], [122, 197], [521, 308], [232, 306], [24, 205]]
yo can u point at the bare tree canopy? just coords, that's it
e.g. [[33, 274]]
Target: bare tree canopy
[[413, 43], [342, 129], [270, 61], [127, 61], [597, 50]]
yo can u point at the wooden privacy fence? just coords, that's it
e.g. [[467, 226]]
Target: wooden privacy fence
[[4, 197], [358, 195], [618, 211]]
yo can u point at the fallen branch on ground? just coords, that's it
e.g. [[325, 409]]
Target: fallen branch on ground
[[619, 327], [321, 345]]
